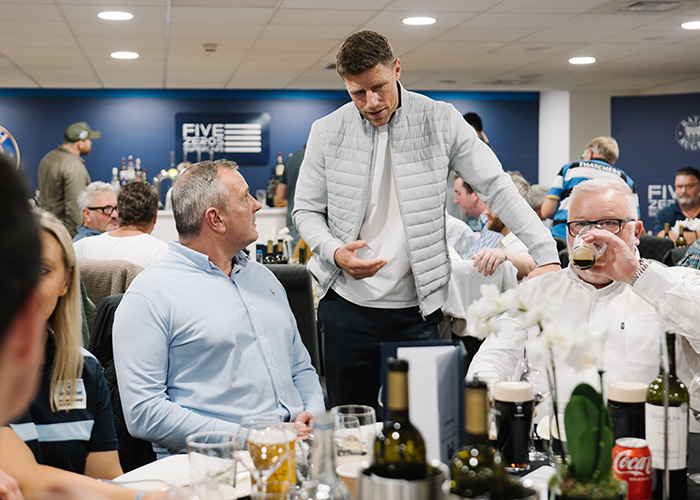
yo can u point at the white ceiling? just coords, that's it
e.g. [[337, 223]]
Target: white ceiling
[[285, 44]]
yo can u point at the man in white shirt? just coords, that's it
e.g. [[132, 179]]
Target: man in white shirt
[[370, 202], [631, 301], [137, 205]]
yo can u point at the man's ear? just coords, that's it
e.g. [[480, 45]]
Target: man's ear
[[637, 231], [215, 223]]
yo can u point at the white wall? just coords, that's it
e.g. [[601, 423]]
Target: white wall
[[554, 134], [568, 120]]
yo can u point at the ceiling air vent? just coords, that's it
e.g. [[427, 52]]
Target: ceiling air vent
[[652, 6]]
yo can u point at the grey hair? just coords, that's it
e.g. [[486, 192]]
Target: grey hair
[[88, 194], [520, 183], [197, 189], [605, 184], [538, 193]]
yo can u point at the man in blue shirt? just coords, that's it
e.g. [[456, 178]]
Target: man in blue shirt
[[596, 162], [687, 204], [205, 336], [472, 205]]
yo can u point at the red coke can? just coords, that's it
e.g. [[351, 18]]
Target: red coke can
[[632, 465]]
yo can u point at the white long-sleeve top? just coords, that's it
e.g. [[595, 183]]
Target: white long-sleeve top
[[663, 298]]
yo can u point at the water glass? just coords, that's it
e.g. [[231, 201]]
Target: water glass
[[212, 458], [355, 431]]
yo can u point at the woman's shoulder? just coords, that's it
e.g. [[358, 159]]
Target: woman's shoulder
[[91, 365]]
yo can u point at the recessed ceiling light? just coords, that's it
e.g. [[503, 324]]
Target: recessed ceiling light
[[124, 55], [691, 25], [582, 60], [419, 21], [115, 16]]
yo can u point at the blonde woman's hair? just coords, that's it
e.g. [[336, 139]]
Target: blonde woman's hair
[[65, 321]]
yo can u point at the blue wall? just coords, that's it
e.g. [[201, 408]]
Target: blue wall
[[142, 123], [650, 133]]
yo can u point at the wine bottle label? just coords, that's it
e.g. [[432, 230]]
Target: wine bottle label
[[677, 435]]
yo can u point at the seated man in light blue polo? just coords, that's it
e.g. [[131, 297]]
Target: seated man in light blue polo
[[205, 336]]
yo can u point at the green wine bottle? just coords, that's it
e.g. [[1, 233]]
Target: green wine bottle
[[476, 471], [655, 421], [681, 241], [399, 450]]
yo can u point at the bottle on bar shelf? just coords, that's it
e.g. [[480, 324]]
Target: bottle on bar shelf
[[280, 256], [270, 255]]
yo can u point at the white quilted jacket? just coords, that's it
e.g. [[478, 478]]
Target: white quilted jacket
[[427, 139]]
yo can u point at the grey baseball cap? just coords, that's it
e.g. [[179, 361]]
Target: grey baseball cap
[[80, 131]]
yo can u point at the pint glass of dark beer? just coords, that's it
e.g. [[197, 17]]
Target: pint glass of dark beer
[[514, 404], [626, 404]]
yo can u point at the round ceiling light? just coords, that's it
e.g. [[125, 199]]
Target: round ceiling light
[[691, 25], [582, 60], [115, 16], [419, 21], [124, 55]]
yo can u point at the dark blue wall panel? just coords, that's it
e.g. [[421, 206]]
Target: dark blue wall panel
[[142, 123], [651, 132]]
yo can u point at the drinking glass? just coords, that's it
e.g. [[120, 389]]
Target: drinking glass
[[583, 254], [536, 375], [274, 490], [269, 445], [212, 457], [694, 393], [355, 431], [514, 404]]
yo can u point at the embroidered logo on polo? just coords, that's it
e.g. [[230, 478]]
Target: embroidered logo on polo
[[8, 146], [688, 133]]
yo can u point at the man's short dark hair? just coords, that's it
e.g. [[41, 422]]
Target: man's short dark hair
[[689, 171], [466, 185], [362, 51], [137, 203], [20, 248], [475, 121]]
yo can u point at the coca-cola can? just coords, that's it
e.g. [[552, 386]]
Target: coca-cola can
[[632, 465]]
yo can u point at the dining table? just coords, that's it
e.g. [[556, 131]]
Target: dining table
[[173, 472]]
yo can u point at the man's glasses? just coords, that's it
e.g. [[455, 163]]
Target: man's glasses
[[107, 209], [612, 225], [685, 187]]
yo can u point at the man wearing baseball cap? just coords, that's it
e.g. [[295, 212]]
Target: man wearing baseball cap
[[62, 174]]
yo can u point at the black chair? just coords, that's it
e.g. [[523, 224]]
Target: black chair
[[654, 247], [133, 452], [297, 282], [564, 257], [561, 243], [673, 256]]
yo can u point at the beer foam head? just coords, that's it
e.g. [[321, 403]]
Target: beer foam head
[[513, 391], [627, 392]]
